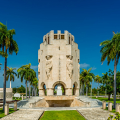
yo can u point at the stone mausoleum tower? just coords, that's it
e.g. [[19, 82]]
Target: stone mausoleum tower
[[58, 58]]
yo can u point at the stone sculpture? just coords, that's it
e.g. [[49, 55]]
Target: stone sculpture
[[69, 66], [48, 69]]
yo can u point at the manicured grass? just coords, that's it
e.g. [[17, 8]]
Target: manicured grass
[[62, 115], [11, 110], [106, 99]]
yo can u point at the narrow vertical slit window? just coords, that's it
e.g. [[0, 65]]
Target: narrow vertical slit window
[[48, 41]]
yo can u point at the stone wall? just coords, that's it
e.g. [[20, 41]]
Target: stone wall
[[8, 94]]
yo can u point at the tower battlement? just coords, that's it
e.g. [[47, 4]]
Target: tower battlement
[[58, 36]]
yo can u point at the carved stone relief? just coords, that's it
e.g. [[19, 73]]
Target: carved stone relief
[[48, 68], [69, 67]]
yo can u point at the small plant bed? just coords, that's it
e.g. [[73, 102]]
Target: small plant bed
[[62, 115], [11, 110], [16, 98], [106, 99]]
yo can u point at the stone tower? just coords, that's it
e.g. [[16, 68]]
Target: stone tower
[[58, 59]]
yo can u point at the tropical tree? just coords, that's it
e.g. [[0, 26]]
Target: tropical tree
[[27, 73], [88, 79], [6, 40], [10, 73], [35, 85], [85, 78], [111, 50], [98, 80]]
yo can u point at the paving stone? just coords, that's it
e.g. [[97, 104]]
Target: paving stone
[[25, 114], [95, 113]]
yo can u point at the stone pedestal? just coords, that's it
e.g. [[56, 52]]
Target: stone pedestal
[[15, 106], [68, 91], [118, 107], [49, 91], [109, 106], [104, 104], [41, 92], [6, 109]]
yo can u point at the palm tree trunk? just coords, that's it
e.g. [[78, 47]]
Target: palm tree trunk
[[83, 88], [98, 88], [4, 85], [115, 67], [91, 89], [26, 89], [10, 83], [86, 89], [29, 89]]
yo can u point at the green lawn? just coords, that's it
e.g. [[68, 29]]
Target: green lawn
[[11, 110], [106, 99], [62, 115]]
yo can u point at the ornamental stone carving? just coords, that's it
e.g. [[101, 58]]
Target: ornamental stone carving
[[48, 67], [69, 67]]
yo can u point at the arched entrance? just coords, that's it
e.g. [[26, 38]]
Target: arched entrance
[[43, 89], [58, 84], [74, 88]]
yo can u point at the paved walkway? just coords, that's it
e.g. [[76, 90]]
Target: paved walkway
[[95, 113], [25, 114]]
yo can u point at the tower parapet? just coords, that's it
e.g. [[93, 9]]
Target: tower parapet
[[49, 37]]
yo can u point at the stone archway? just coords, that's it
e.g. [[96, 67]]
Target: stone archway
[[42, 90], [75, 85], [63, 86]]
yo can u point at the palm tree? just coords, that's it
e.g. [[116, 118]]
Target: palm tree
[[84, 77], [35, 84], [98, 80], [88, 79], [111, 50], [6, 40], [10, 73], [26, 73], [104, 79]]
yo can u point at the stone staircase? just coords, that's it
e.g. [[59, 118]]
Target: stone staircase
[[25, 103], [93, 102]]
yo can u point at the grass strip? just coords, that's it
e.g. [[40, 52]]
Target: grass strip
[[62, 115]]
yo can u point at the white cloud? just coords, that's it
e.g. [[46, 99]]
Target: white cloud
[[84, 65], [93, 68], [34, 67]]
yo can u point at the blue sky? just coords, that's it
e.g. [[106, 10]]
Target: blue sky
[[90, 21]]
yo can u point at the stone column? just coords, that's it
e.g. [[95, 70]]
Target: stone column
[[118, 107], [15, 106], [77, 92], [104, 104], [68, 91], [49, 91], [41, 92], [110, 106], [6, 109]]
